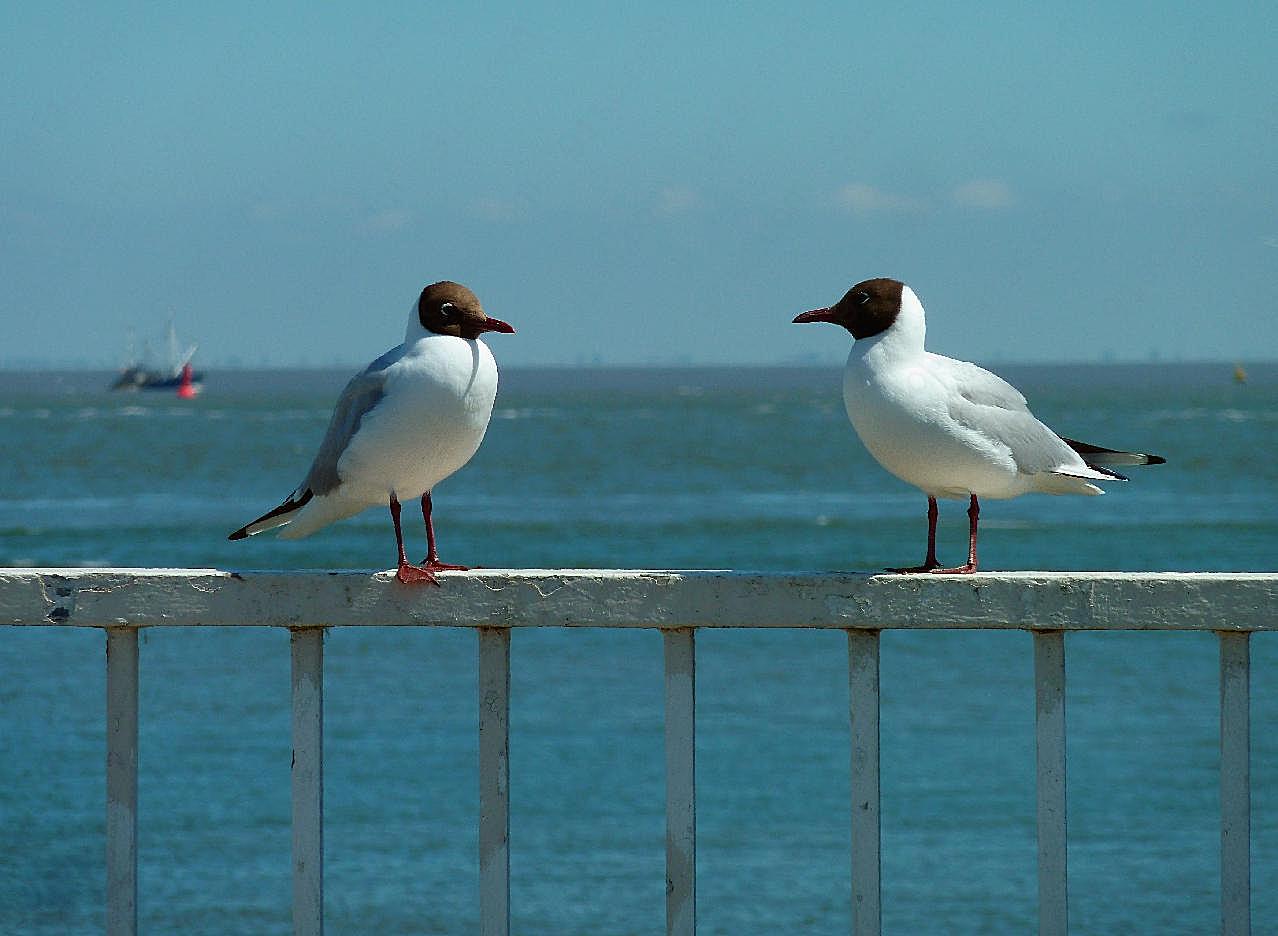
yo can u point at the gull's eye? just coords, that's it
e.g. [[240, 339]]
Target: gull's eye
[[862, 298], [448, 311]]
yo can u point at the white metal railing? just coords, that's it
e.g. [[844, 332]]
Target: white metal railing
[[678, 603]]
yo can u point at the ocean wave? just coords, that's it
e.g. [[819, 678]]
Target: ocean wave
[[288, 415], [528, 412], [1210, 414]]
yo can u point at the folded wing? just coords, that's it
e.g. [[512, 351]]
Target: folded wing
[[359, 398]]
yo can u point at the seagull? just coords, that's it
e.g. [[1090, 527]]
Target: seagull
[[407, 421], [950, 428]]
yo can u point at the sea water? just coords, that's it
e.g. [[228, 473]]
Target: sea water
[[752, 469]]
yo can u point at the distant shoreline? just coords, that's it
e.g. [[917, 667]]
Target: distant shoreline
[[784, 366], [628, 378]]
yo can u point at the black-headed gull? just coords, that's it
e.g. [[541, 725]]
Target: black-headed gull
[[409, 420], [948, 427]]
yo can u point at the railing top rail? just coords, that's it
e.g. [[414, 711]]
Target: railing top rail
[[1216, 601]]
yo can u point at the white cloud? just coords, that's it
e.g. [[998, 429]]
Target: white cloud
[[862, 199], [386, 221], [675, 199], [987, 194], [267, 211], [495, 208]]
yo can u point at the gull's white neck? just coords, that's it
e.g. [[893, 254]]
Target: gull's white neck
[[414, 330], [900, 341]]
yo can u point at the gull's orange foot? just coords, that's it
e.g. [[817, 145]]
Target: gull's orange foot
[[410, 574]]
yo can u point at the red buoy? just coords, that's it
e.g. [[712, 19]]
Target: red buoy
[[187, 389]]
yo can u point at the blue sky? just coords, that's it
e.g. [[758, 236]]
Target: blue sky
[[644, 183]]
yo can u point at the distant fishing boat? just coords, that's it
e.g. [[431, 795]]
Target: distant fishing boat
[[175, 373]]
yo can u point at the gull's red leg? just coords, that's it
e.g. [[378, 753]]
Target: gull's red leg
[[929, 564], [432, 557], [407, 573], [973, 515]]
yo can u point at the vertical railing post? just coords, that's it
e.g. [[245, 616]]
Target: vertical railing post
[[681, 781], [1049, 722], [308, 780], [122, 781], [1235, 784], [494, 781], [863, 709]]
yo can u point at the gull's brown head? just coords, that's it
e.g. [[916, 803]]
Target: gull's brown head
[[868, 308], [448, 308]]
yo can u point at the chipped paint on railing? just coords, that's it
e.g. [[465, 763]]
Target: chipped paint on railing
[[647, 599]]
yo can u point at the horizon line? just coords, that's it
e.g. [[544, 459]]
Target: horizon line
[[68, 367]]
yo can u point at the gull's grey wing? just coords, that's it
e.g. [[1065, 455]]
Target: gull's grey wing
[[361, 395], [978, 385], [987, 404]]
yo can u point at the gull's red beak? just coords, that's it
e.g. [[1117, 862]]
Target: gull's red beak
[[497, 325], [816, 315]]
